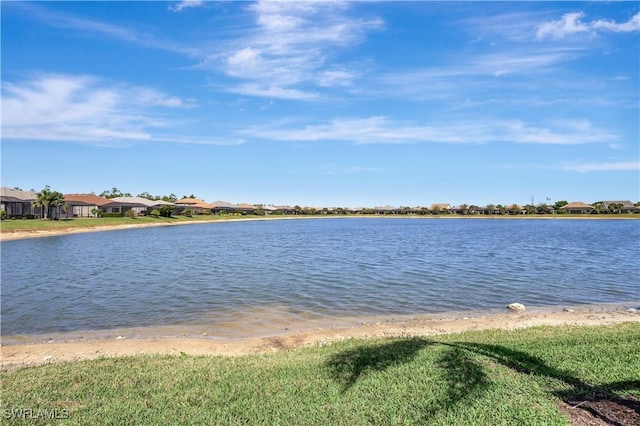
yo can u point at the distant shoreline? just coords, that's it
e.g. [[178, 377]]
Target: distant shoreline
[[10, 235]]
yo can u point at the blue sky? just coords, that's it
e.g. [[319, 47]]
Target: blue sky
[[324, 103]]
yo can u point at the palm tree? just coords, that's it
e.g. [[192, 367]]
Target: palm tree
[[491, 208], [57, 200], [48, 198], [42, 200], [616, 207], [543, 208]]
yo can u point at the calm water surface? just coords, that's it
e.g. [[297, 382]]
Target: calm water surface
[[220, 272]]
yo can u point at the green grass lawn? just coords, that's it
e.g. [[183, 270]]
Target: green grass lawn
[[39, 224], [483, 378]]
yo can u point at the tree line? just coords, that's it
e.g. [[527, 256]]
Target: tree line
[[48, 198]]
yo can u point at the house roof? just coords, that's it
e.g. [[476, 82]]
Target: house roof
[[189, 202], [625, 203], [139, 201], [577, 205], [204, 205], [245, 206], [441, 206], [220, 204], [14, 195], [85, 200]]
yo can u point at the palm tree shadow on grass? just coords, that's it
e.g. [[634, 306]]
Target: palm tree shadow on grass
[[463, 378], [579, 392], [349, 366]]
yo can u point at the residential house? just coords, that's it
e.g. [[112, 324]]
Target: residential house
[[218, 207], [139, 205], [489, 210], [193, 204], [441, 208], [514, 209], [246, 208], [84, 205], [387, 210], [625, 206], [284, 210], [577, 207], [17, 203]]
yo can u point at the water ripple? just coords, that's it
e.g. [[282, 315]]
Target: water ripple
[[216, 272]]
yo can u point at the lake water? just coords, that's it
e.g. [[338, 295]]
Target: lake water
[[239, 278]]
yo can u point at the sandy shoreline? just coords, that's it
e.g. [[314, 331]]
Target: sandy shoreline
[[20, 355], [21, 235]]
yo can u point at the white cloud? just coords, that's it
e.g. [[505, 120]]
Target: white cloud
[[631, 25], [603, 167], [86, 109], [382, 130], [186, 4], [289, 49], [572, 23]]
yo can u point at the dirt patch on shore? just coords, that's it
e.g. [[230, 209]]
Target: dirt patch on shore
[[15, 356]]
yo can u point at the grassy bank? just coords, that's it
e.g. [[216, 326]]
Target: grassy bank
[[491, 377], [20, 225]]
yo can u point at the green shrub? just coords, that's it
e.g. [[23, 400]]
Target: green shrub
[[3, 215], [111, 215], [154, 213], [130, 213], [165, 211]]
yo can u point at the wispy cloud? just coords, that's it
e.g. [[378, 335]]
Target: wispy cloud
[[506, 74], [517, 26], [186, 4], [85, 109], [286, 54], [602, 167], [573, 23], [273, 92], [382, 130], [332, 169], [123, 33]]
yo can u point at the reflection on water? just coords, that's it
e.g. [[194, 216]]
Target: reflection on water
[[265, 275]]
